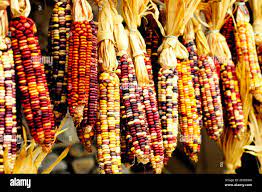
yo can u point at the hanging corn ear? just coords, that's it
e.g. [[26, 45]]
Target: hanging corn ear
[[133, 11], [233, 108], [59, 28], [87, 126], [209, 86], [134, 127], [188, 118], [108, 125], [32, 81], [189, 43], [8, 121], [153, 120], [246, 50]]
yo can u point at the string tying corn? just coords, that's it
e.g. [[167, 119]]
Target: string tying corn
[[59, 29]]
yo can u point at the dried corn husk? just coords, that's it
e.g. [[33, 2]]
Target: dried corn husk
[[4, 4], [20, 8], [31, 156], [82, 11], [105, 37], [133, 11], [178, 13]]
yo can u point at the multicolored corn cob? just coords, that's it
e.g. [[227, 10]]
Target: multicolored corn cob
[[8, 121], [153, 120], [80, 48], [231, 100], [168, 108], [187, 107], [132, 114], [32, 81], [211, 97], [193, 58], [59, 30], [86, 129], [108, 126]]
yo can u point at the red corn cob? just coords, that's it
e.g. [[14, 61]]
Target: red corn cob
[[32, 82]]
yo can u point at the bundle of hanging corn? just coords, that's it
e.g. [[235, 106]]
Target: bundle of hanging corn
[[133, 11], [133, 123], [209, 86], [59, 29], [108, 125], [8, 122], [31, 76], [176, 92], [82, 72], [235, 135], [246, 50]]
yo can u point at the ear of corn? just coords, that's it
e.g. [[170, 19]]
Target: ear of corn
[[211, 98], [153, 120], [87, 126], [108, 126], [8, 121], [187, 107], [32, 82], [79, 68], [132, 114], [59, 28]]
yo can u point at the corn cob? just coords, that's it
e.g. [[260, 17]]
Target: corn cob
[[153, 120], [32, 82], [86, 129], [188, 118], [231, 97], [247, 56], [59, 29], [108, 128], [211, 98], [8, 121], [132, 113], [80, 47], [228, 32], [193, 58], [168, 108]]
